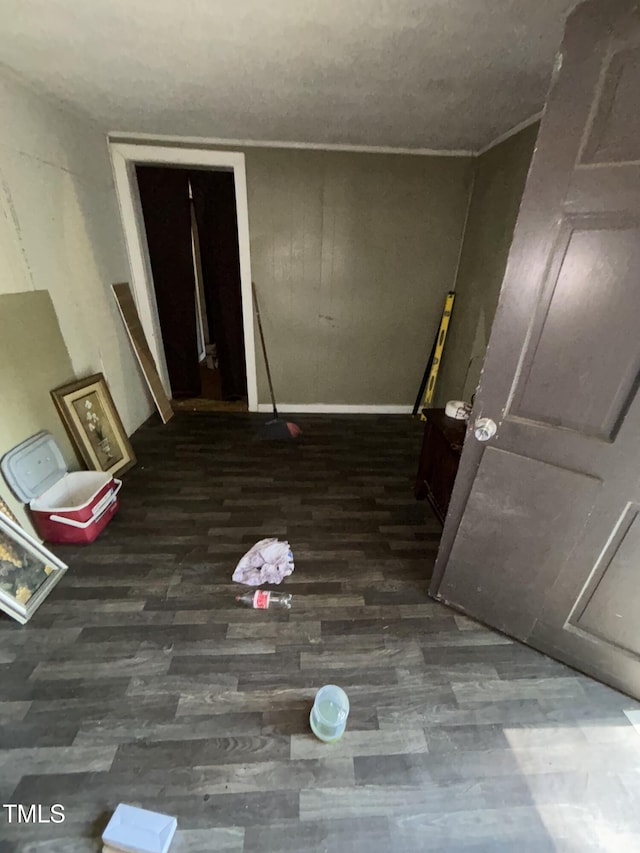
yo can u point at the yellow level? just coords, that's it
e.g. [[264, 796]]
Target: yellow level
[[430, 388]]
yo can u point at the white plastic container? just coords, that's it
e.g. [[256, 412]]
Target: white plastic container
[[328, 718]]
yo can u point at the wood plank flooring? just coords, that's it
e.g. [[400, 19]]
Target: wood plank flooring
[[140, 680]]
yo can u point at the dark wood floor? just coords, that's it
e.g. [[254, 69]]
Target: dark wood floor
[[141, 681]]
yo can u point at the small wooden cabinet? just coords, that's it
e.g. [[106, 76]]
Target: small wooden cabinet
[[439, 459]]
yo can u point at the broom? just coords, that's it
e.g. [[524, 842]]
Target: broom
[[274, 429]]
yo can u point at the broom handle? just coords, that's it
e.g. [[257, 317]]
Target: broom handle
[[264, 348]]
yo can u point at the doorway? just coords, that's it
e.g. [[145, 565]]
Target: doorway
[[192, 241], [214, 201]]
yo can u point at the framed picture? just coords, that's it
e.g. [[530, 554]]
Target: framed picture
[[92, 421], [4, 509], [28, 571]]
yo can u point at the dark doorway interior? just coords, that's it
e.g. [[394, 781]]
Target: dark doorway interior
[[192, 237]]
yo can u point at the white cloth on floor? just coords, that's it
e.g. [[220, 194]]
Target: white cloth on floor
[[269, 561]]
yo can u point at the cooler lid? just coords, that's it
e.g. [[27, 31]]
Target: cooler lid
[[33, 466]]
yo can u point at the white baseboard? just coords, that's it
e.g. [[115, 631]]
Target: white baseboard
[[336, 409]]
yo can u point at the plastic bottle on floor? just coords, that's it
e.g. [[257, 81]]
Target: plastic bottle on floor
[[262, 599]]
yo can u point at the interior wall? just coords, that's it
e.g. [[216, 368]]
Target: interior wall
[[352, 254], [60, 232], [499, 183], [33, 360]]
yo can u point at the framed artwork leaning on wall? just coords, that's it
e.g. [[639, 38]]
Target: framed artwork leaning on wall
[[93, 423], [28, 571]]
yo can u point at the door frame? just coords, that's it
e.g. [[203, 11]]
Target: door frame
[[124, 158]]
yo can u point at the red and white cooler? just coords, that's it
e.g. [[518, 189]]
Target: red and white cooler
[[66, 507]]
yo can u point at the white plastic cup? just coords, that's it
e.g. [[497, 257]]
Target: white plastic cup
[[328, 718]]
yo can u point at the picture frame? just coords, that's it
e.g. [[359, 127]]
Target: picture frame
[[28, 571], [4, 509], [93, 423]]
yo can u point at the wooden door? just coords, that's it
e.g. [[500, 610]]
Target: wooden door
[[542, 539]]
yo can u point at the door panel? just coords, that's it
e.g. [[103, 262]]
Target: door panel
[[585, 192], [595, 298], [610, 611], [542, 539], [538, 503], [615, 132]]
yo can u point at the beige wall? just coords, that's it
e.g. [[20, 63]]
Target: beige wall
[[60, 231], [352, 254], [33, 360], [499, 183]]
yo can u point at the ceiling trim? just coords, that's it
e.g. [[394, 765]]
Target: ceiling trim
[[203, 142], [509, 133], [206, 141]]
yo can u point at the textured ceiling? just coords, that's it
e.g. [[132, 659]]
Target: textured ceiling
[[445, 74]]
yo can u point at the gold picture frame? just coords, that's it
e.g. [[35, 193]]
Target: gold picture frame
[[94, 426]]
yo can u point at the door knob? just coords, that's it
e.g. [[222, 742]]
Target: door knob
[[484, 429]]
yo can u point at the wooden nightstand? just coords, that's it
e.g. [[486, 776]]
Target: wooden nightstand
[[439, 459]]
